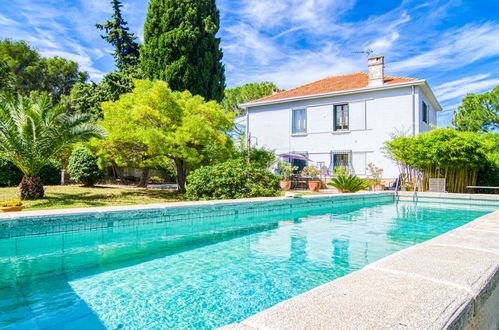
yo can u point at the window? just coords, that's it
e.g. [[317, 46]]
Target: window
[[425, 113], [341, 160], [299, 121], [341, 117]]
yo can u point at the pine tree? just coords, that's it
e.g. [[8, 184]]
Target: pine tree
[[180, 46], [126, 49]]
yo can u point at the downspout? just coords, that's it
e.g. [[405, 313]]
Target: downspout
[[413, 112], [247, 123]]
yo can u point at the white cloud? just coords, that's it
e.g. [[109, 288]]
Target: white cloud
[[456, 48], [458, 89], [249, 42], [4, 20], [384, 43], [315, 15], [452, 92]]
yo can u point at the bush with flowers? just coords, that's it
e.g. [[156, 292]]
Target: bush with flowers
[[312, 171]]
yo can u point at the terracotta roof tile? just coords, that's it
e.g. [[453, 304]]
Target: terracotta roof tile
[[331, 84]]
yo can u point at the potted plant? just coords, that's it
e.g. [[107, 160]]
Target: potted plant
[[374, 177], [348, 183], [285, 172], [313, 172], [12, 205]]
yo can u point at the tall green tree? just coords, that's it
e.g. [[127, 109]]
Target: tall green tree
[[181, 47], [33, 131], [248, 92], [152, 124], [86, 98], [478, 113], [23, 70], [126, 49]]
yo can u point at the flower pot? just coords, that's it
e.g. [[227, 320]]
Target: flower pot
[[314, 186], [285, 184], [12, 208]]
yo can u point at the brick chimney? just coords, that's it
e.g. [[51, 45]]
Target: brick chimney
[[376, 71]]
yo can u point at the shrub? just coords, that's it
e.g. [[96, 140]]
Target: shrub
[[348, 183], [10, 175], [259, 157], [489, 174], [83, 167], [285, 170], [312, 171], [50, 174], [232, 179], [445, 152], [11, 202]]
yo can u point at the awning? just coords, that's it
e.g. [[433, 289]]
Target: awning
[[294, 156]]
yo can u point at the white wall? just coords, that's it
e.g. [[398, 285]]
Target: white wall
[[374, 116], [425, 127]]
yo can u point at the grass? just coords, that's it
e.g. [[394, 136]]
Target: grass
[[63, 197]]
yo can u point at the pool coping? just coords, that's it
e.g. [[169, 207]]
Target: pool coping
[[105, 209], [158, 206], [450, 281]]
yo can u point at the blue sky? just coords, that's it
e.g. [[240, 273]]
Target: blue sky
[[452, 44]]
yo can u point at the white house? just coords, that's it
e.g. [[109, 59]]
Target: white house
[[343, 120]]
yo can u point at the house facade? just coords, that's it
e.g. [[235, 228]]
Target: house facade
[[343, 120]]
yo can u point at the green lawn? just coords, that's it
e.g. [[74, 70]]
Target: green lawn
[[62, 197]]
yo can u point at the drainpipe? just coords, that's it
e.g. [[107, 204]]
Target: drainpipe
[[247, 122], [413, 112], [248, 135]]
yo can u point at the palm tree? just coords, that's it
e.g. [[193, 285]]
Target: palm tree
[[32, 131]]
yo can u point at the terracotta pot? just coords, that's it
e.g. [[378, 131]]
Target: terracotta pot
[[285, 184], [314, 186], [12, 208]]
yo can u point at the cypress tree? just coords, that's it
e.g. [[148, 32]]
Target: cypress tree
[[126, 49], [180, 46]]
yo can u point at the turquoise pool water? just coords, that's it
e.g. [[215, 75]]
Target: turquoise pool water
[[202, 272]]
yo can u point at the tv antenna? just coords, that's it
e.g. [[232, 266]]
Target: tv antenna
[[369, 52]]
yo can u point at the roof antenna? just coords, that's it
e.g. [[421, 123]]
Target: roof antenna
[[369, 52]]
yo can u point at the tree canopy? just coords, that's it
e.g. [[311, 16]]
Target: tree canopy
[[478, 113], [181, 47], [126, 49], [153, 123], [248, 92], [23, 70], [86, 98]]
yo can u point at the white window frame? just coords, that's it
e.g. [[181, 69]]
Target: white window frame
[[302, 130]]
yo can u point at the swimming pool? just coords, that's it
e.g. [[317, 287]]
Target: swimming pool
[[199, 267]]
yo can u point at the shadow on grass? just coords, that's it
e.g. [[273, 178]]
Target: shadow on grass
[[92, 199]]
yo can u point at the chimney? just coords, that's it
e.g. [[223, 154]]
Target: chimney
[[376, 71], [275, 91]]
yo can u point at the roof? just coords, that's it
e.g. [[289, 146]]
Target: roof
[[331, 84]]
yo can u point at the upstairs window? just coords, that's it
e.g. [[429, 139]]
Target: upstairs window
[[341, 117], [425, 113], [299, 121]]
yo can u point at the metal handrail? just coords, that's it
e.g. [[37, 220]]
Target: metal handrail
[[415, 194]]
